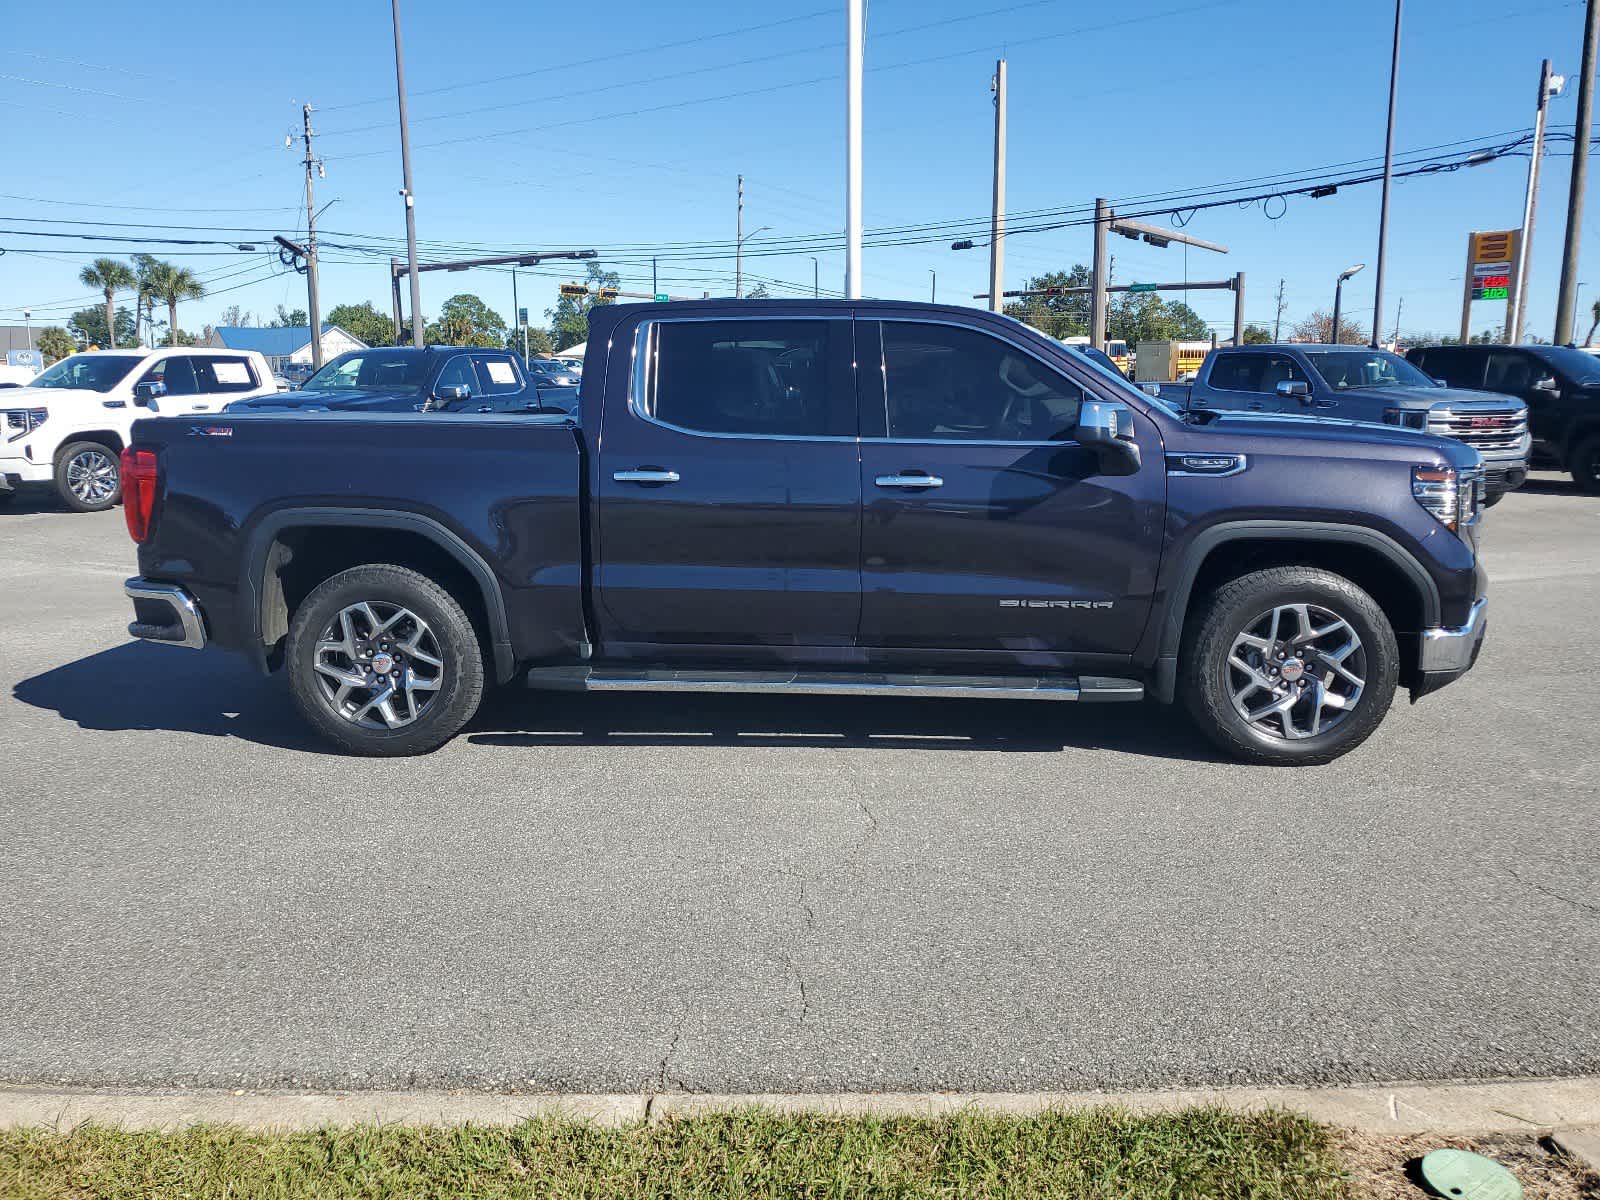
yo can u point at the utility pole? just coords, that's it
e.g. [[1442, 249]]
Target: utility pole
[[27, 321], [1238, 309], [997, 216], [816, 286], [314, 312], [1388, 176], [516, 314], [738, 246], [1097, 306], [1549, 85], [933, 287], [1567, 299], [405, 168], [854, 36], [1277, 321], [394, 294], [1398, 309], [654, 285]]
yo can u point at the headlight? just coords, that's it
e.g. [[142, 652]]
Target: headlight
[[1406, 418], [1454, 498]]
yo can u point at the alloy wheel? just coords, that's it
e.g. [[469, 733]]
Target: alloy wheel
[[92, 476], [378, 665], [1296, 671]]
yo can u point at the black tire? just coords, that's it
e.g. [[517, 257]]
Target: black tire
[[1243, 606], [1490, 499], [385, 587], [81, 476], [1585, 464]]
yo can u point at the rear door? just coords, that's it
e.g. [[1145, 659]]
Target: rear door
[[729, 489], [219, 380], [1244, 381], [987, 530]]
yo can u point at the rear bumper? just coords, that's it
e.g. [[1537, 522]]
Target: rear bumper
[[1447, 654], [164, 612]]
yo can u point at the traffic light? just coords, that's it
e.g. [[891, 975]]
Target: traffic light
[[574, 289], [607, 293]]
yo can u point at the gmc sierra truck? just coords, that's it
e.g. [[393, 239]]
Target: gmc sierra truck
[[863, 498], [1358, 384]]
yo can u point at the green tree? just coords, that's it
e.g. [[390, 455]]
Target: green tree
[[290, 318], [465, 320], [363, 321], [1056, 315], [88, 325], [1588, 339], [1318, 327], [569, 319], [55, 343], [111, 277], [539, 343], [1255, 335], [170, 284], [1136, 317], [759, 292]]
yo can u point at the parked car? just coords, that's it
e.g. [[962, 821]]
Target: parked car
[[1559, 384], [866, 498], [406, 379], [67, 427], [554, 372], [1357, 384]]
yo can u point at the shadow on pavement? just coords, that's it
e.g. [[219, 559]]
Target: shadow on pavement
[[144, 686], [1554, 485], [1029, 726], [30, 500]]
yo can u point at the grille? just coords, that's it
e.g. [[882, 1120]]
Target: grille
[[16, 418], [1481, 431]]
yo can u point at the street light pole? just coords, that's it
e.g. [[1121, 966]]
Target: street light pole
[[1388, 176], [405, 169], [854, 36], [1338, 297], [933, 287], [1549, 85], [738, 246], [997, 215], [816, 286], [1567, 298], [27, 321]]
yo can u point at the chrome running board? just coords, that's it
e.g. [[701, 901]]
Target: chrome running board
[[836, 683]]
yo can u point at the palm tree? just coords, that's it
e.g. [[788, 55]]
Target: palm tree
[[111, 277], [172, 284], [1589, 341], [145, 305]]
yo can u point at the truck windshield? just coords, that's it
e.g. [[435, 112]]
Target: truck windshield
[[1365, 369], [372, 370], [91, 372]]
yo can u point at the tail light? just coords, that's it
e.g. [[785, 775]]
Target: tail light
[[138, 491]]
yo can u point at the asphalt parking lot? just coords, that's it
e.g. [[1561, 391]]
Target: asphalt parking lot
[[627, 893]]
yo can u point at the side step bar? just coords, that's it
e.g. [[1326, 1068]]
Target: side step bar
[[1087, 688]]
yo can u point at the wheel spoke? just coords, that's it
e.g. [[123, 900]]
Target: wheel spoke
[[343, 662], [1326, 684]]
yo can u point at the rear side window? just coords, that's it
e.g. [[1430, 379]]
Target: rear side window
[[775, 378], [945, 383], [223, 373], [1458, 368], [1254, 372], [497, 376]]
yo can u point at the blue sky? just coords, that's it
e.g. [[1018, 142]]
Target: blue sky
[[625, 124]]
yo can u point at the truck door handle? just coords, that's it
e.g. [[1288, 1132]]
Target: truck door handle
[[906, 479], [1256, 406], [646, 475]]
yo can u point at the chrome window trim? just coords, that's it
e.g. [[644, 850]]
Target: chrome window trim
[[1038, 358], [643, 353]]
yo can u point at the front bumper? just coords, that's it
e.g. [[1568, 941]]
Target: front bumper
[[164, 612], [1447, 654], [15, 471]]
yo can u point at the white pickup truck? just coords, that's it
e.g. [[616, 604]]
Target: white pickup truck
[[67, 428]]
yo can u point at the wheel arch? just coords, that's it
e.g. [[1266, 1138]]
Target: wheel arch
[[292, 550], [1370, 559], [109, 438]]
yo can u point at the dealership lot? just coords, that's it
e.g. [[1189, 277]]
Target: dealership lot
[[731, 893]]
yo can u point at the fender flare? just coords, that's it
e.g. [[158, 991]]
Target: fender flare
[[266, 532], [1175, 611]]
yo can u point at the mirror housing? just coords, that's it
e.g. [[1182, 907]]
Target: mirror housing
[[453, 394], [1440, 383], [1107, 426], [1294, 389], [1547, 384], [144, 393]]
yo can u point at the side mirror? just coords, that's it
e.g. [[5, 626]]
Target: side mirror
[[144, 393], [1107, 426], [453, 394], [1547, 384], [1294, 389], [1150, 388], [1440, 383]]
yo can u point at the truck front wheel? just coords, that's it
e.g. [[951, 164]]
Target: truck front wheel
[[384, 662], [88, 476], [1290, 665], [1586, 464]]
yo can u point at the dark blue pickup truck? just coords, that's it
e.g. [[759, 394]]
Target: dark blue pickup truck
[[863, 498], [1355, 383], [400, 379]]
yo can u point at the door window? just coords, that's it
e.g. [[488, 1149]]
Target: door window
[[1510, 372], [943, 382], [457, 373], [774, 378], [176, 374], [497, 376], [1458, 368], [221, 373], [1254, 372]]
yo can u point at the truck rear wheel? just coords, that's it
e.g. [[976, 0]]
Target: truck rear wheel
[[384, 662], [88, 476], [1586, 464], [1289, 665]]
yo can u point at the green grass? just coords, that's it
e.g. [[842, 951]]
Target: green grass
[[1101, 1152]]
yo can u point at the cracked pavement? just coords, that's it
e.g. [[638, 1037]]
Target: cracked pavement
[[633, 893]]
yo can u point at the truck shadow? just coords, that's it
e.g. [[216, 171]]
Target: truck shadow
[[532, 719], [140, 686]]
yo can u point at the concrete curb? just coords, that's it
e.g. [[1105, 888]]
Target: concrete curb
[[1515, 1106]]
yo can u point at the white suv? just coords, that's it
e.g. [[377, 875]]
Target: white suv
[[68, 427]]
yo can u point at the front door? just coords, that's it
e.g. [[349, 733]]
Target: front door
[[986, 528], [729, 489]]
